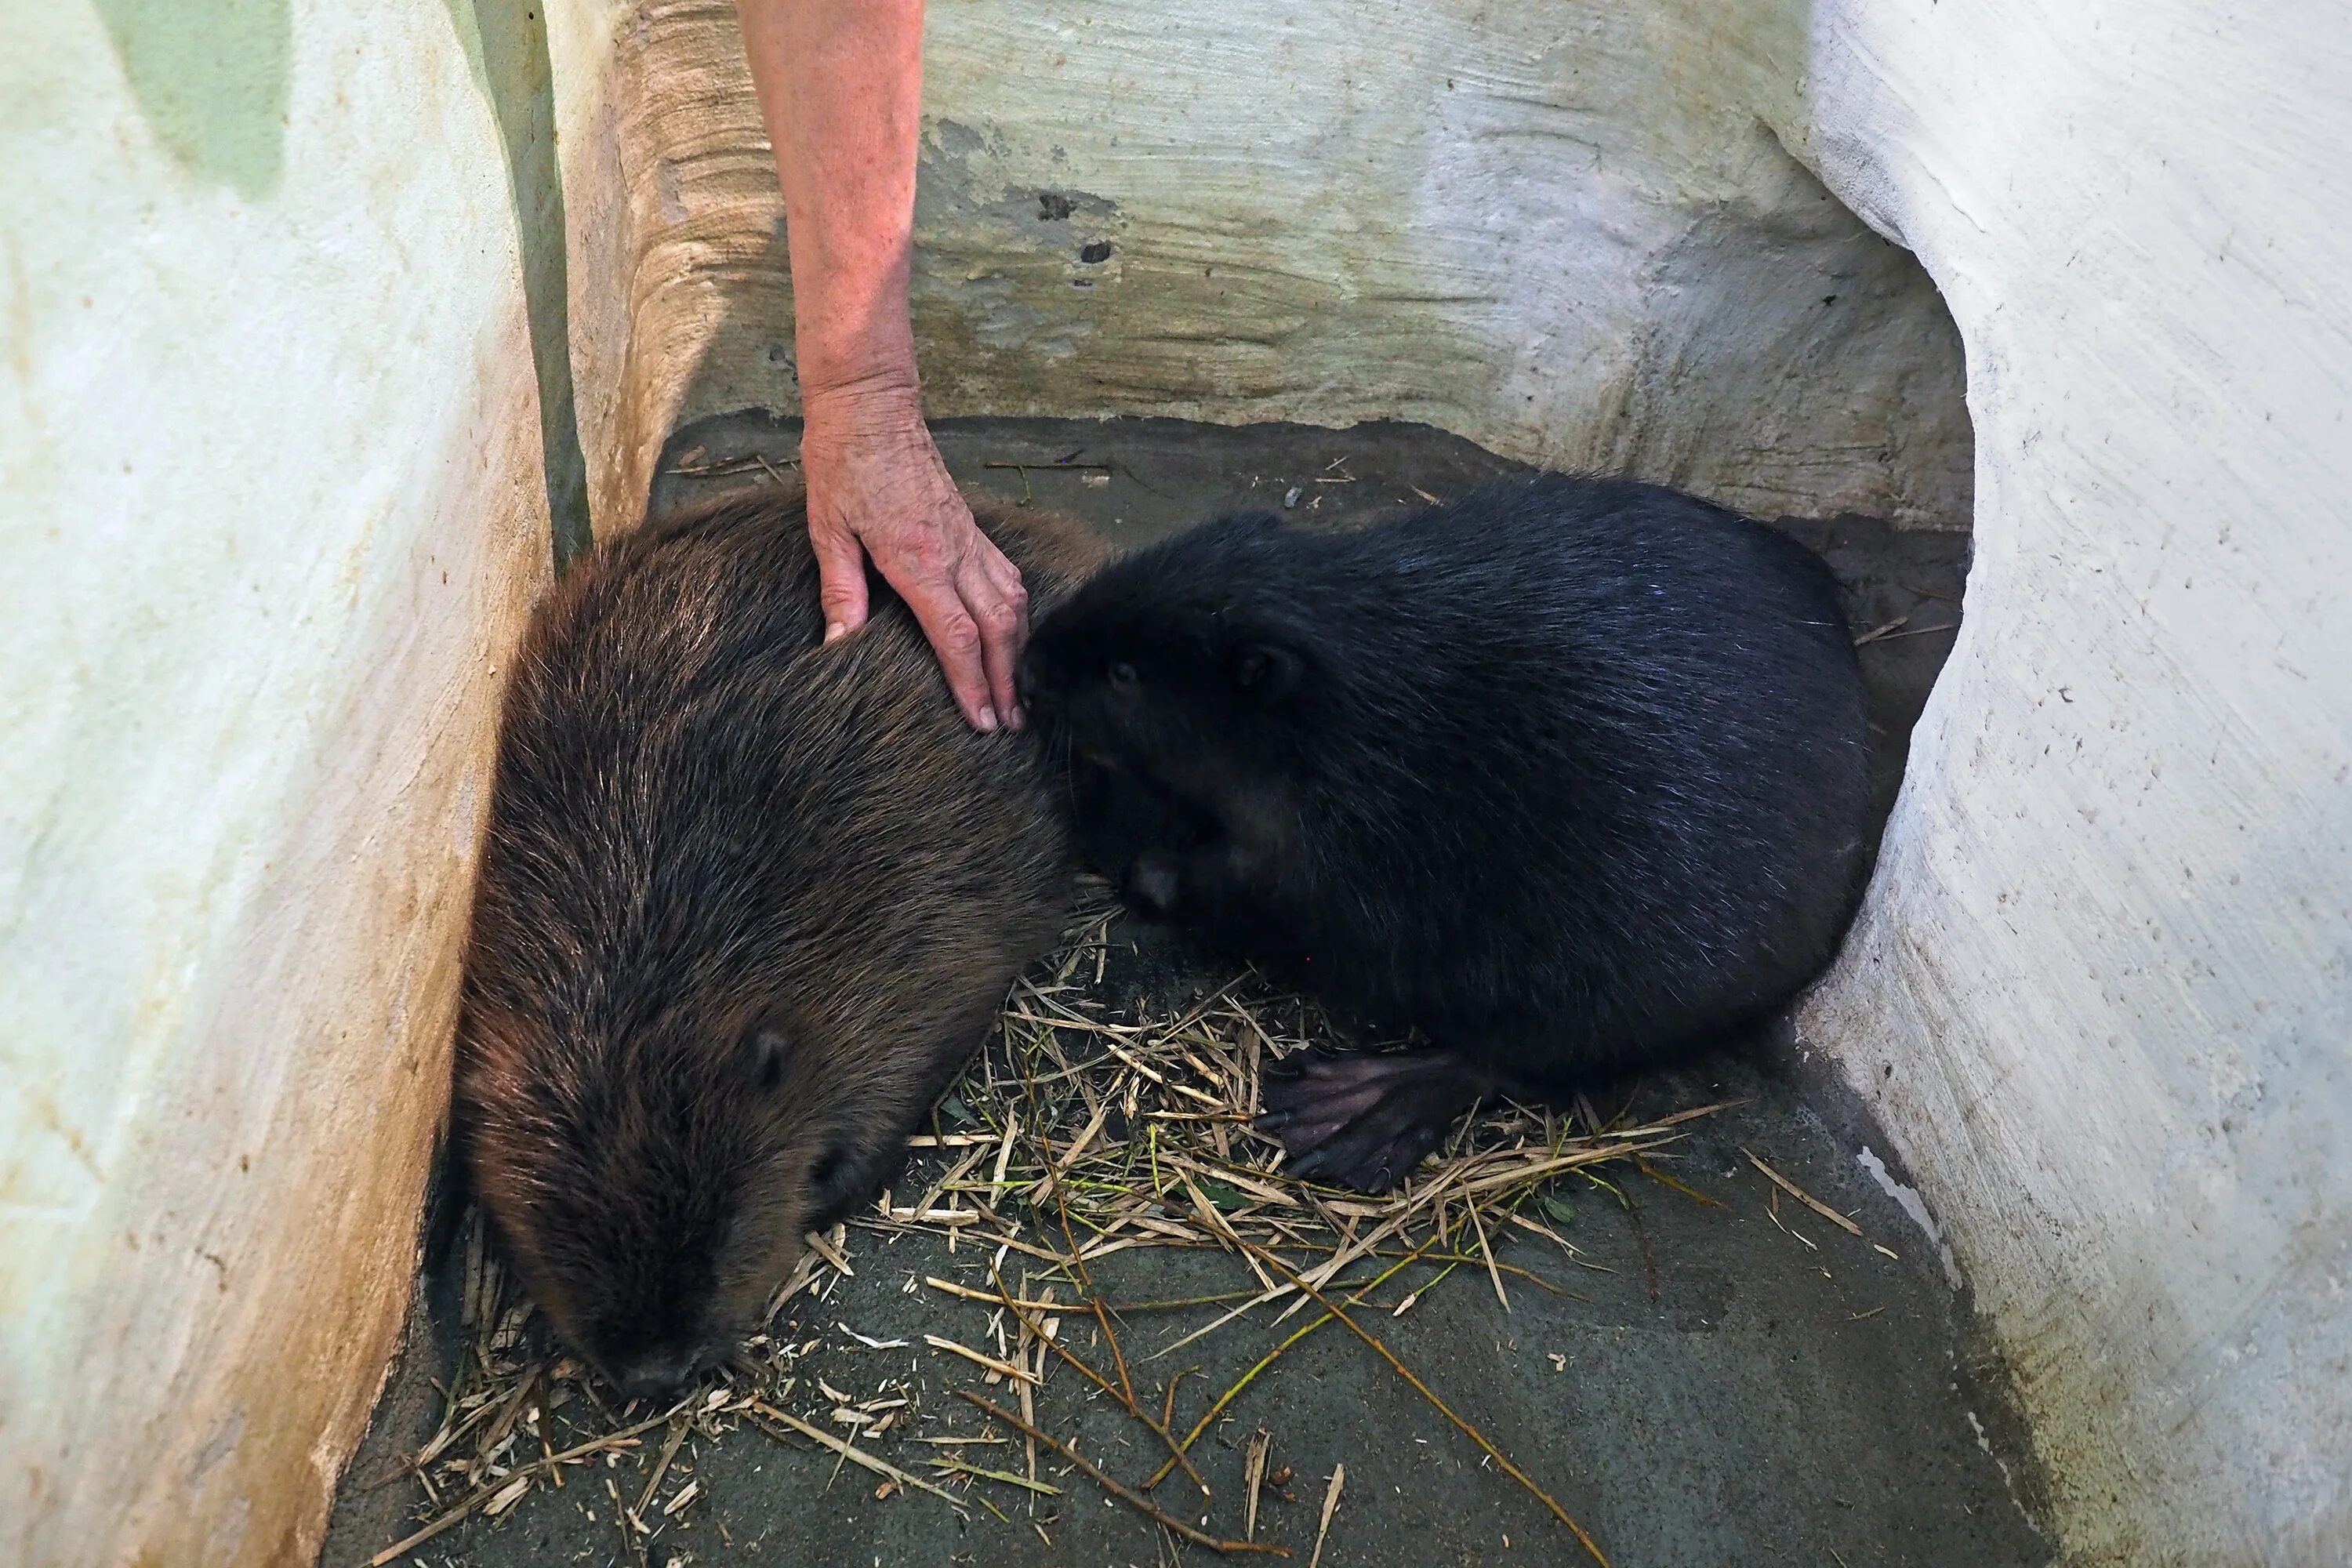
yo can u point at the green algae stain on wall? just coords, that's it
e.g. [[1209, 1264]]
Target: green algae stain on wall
[[212, 82]]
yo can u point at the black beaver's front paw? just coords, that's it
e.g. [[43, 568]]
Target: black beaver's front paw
[[1363, 1118], [1152, 884]]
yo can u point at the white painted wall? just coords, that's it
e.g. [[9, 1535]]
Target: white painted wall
[[270, 509], [2102, 995]]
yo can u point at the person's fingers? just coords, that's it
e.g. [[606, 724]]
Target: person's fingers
[[889, 497], [999, 606], [841, 574], [955, 637]]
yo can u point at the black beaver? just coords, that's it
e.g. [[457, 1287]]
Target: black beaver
[[747, 902], [1572, 773]]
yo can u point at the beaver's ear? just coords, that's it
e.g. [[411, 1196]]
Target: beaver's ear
[[1266, 671]]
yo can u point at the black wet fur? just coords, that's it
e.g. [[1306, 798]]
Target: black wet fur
[[1120, 817], [1573, 773]]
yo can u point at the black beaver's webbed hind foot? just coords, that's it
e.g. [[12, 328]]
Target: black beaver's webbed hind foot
[[1365, 1119]]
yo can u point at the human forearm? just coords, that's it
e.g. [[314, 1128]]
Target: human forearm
[[840, 87]]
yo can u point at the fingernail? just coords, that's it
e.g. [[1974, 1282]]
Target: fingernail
[[987, 721], [1016, 720], [835, 631]]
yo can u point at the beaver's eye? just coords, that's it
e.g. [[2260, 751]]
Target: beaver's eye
[[1122, 675]]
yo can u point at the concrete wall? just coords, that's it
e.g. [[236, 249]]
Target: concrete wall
[[1566, 230], [2102, 995], [273, 503], [303, 312]]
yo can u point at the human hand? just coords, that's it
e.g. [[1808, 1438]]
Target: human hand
[[878, 488]]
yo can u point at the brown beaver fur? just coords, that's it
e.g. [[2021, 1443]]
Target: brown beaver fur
[[747, 902]]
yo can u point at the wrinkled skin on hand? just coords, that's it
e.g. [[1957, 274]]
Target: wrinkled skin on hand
[[878, 489]]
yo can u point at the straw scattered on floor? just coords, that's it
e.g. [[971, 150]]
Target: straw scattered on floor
[[1085, 1129]]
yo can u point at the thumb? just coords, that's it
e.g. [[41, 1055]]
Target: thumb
[[841, 575]]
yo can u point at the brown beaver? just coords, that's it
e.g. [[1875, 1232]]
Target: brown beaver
[[748, 901]]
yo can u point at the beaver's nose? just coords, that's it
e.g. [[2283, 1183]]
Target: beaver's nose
[[1028, 681], [655, 1374]]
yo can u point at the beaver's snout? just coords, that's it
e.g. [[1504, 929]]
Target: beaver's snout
[[655, 1374], [1038, 697]]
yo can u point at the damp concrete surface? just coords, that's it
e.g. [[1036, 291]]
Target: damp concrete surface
[[1727, 1381]]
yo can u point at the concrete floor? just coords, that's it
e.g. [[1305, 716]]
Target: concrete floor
[[1714, 1385]]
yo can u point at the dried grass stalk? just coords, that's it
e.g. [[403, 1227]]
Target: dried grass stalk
[[1084, 1129]]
